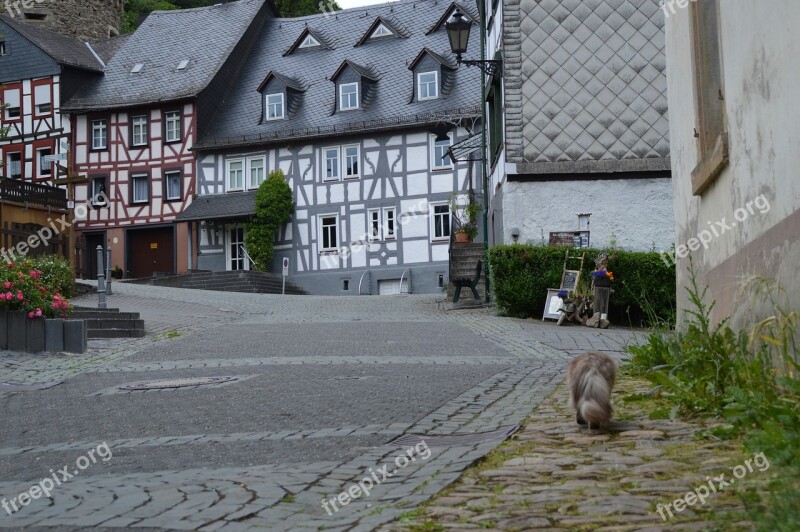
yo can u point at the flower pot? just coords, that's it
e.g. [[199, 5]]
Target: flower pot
[[602, 282], [17, 340], [75, 336], [54, 336], [3, 328], [462, 237], [34, 335]]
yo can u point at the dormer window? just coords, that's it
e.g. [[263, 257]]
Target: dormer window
[[137, 68], [428, 85], [275, 107], [309, 42], [381, 31], [348, 96]]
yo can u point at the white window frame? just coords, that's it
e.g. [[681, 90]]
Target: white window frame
[[142, 127], [436, 162], [250, 168], [342, 96], [8, 165], [37, 112], [18, 107], [96, 199], [345, 165], [309, 42], [387, 234], [229, 244], [337, 167], [377, 33], [228, 164], [270, 105], [434, 215], [134, 199], [100, 125], [322, 227], [374, 228], [167, 175], [172, 118], [40, 165], [435, 85]]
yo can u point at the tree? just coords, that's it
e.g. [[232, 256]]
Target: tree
[[274, 207], [135, 9]]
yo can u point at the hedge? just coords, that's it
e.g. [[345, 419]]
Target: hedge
[[644, 285]]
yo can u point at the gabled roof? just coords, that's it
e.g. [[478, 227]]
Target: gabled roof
[[464, 9], [64, 50], [106, 48], [316, 34], [393, 26], [289, 83], [387, 106], [364, 72], [205, 36], [438, 58]]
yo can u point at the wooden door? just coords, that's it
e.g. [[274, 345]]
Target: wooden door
[[151, 251]]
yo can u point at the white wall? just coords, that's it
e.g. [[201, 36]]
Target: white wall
[[636, 212], [761, 65]]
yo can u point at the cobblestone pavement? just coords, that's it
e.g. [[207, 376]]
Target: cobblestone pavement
[[325, 384], [555, 475]]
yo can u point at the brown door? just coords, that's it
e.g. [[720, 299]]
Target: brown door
[[90, 254], [151, 251]]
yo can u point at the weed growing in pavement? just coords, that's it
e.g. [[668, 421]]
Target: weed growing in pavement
[[749, 377]]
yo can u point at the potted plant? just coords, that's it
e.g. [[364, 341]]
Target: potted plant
[[602, 278], [116, 272], [465, 217]]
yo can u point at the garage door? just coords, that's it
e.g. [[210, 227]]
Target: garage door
[[391, 287]]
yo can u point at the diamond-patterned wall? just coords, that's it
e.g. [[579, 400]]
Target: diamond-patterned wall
[[585, 81]]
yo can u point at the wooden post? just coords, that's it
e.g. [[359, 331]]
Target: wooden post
[[70, 180]]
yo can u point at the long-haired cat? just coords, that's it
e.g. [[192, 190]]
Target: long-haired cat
[[590, 378]]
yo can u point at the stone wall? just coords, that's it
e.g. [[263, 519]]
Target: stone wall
[[85, 19]]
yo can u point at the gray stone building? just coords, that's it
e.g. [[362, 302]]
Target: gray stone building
[[578, 122], [358, 109], [88, 20]]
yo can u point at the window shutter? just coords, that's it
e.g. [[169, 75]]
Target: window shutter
[[41, 94]]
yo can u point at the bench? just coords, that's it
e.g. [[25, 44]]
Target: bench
[[466, 282]]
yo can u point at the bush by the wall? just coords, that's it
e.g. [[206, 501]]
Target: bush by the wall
[[644, 285]]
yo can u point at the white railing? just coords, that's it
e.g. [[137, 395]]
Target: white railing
[[406, 271], [361, 282]]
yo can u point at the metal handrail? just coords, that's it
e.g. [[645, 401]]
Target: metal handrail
[[366, 272], [406, 271], [247, 255]]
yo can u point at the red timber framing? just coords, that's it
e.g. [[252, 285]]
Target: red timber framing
[[135, 177]]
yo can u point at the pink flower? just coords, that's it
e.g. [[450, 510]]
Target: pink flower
[[7, 285], [10, 264], [9, 296], [38, 313], [20, 296], [30, 314]]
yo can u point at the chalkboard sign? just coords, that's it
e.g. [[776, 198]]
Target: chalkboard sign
[[570, 279]]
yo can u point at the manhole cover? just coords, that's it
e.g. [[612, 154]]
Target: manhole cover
[[454, 440], [177, 383]]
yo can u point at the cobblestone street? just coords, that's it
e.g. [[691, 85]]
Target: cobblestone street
[[316, 390]]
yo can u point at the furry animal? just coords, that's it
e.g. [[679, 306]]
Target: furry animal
[[590, 378]]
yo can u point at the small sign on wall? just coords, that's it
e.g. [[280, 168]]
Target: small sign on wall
[[154, 245]]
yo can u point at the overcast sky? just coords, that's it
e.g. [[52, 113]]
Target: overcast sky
[[346, 4]]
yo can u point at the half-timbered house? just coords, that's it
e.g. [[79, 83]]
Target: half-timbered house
[[135, 127], [358, 109]]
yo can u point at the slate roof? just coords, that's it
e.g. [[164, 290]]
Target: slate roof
[[205, 36], [220, 206], [106, 48], [590, 76], [64, 50], [239, 121]]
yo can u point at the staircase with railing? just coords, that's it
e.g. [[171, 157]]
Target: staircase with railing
[[464, 259]]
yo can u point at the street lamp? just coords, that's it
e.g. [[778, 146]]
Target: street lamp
[[458, 32]]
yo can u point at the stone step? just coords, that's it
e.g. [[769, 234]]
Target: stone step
[[115, 333], [100, 315], [115, 324]]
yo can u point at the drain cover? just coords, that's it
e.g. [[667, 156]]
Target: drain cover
[[177, 383], [455, 440]]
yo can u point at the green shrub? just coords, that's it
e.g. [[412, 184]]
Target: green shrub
[[37, 286], [57, 274], [274, 207], [644, 286]]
